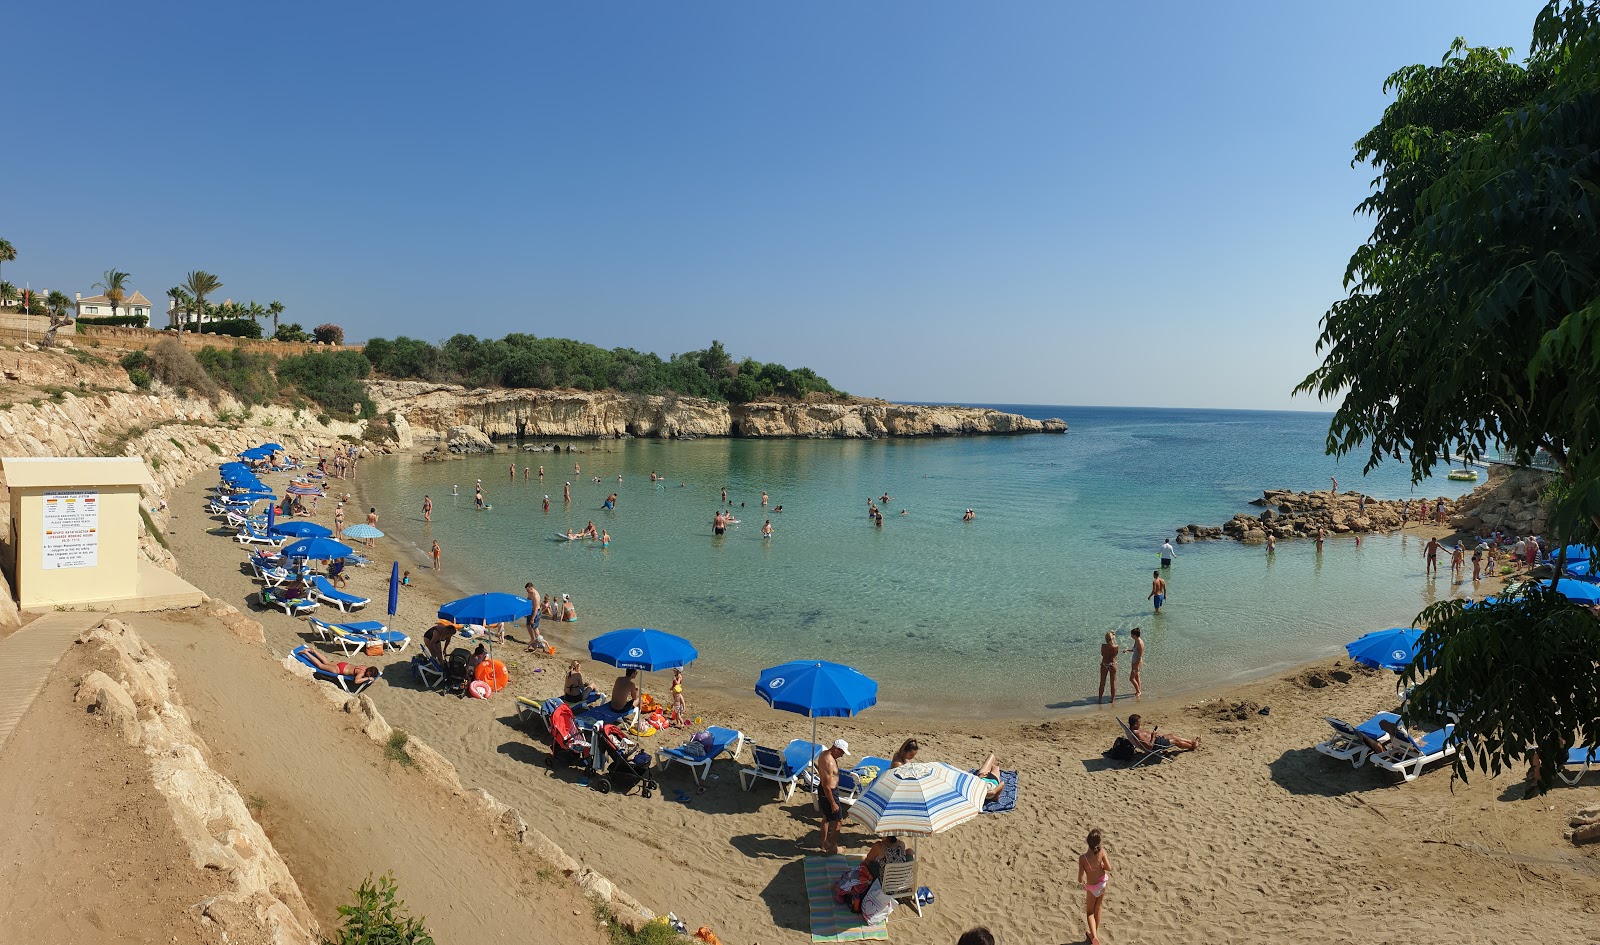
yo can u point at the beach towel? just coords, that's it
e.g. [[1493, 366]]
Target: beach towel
[[831, 922], [1007, 801]]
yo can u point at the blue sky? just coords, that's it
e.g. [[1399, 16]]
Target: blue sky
[[1069, 203]]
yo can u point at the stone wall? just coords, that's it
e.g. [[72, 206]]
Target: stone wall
[[130, 338]]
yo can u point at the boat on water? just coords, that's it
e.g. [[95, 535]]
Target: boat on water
[[1463, 475]]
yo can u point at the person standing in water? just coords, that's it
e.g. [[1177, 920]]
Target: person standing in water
[[1094, 872], [512, 470], [1108, 667], [1431, 550], [763, 500], [766, 529], [1320, 536], [1138, 665], [566, 493], [1158, 590], [1272, 542], [427, 508], [541, 474], [547, 505], [1166, 553]]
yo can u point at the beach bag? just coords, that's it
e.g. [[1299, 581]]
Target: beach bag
[[876, 905], [1121, 750], [374, 649], [851, 885]]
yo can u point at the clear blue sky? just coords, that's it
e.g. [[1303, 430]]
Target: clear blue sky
[[1069, 203]]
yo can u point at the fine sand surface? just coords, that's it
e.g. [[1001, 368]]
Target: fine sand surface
[[337, 811], [88, 849], [1255, 838]]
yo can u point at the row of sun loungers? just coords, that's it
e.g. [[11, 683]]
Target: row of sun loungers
[[1402, 753]]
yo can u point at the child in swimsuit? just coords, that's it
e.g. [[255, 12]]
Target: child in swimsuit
[[1094, 872], [680, 712]]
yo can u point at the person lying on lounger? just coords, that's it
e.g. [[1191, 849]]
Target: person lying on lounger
[[1396, 733], [1150, 741], [351, 670]]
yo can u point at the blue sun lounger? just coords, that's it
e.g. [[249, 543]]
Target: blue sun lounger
[[784, 767], [529, 709], [325, 591], [343, 682], [1407, 756], [723, 740], [1346, 744]]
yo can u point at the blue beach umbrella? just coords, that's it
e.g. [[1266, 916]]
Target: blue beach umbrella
[[816, 688], [257, 453], [1386, 649], [318, 549], [234, 467], [642, 648], [272, 517], [251, 496], [1576, 553], [1583, 570], [300, 529], [493, 607], [394, 589], [274, 447], [1581, 592]]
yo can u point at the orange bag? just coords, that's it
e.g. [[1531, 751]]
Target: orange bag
[[374, 649]]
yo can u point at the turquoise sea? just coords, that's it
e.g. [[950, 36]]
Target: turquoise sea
[[1000, 614]]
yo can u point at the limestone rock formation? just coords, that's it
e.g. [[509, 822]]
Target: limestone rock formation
[[1288, 514], [1511, 500]]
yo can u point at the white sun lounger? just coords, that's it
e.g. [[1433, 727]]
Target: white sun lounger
[[1407, 756], [1347, 743], [1579, 761]]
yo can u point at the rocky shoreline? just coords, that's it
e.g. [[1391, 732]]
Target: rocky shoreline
[[466, 420]]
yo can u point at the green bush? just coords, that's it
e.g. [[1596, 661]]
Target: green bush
[[234, 327], [332, 379], [246, 375], [290, 331], [134, 359], [328, 334], [376, 918], [126, 321], [140, 378]]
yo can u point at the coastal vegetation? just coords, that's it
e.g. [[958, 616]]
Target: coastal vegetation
[[376, 917], [525, 361], [1472, 320]]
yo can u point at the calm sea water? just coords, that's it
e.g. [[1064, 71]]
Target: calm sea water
[[1001, 613]]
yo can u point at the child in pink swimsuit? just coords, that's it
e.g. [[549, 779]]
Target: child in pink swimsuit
[[1094, 872]]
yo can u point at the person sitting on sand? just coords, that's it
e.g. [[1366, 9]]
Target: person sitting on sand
[[349, 670], [405, 579], [906, 754], [574, 689], [437, 640], [625, 692], [1150, 741], [989, 773]]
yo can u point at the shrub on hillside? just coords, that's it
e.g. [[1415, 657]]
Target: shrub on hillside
[[331, 378], [377, 918], [233, 327], [290, 332], [125, 321], [244, 374], [174, 366], [328, 334]]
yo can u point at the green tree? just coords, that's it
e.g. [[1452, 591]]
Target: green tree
[[182, 307], [200, 284], [275, 309], [1473, 319], [8, 253], [328, 333], [114, 286], [8, 293], [290, 332], [58, 304]]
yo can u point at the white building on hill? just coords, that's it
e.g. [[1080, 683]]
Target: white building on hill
[[98, 306]]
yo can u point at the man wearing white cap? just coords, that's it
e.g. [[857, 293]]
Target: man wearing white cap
[[828, 796]]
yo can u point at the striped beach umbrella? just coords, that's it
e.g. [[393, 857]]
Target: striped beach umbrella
[[362, 530], [303, 489], [920, 799]]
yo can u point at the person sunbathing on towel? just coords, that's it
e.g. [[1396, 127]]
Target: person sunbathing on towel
[[1150, 741], [350, 670], [989, 772]]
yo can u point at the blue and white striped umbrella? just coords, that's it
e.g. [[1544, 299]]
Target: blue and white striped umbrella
[[920, 799], [361, 530]]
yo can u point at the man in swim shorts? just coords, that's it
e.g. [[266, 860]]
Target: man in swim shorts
[[828, 794], [1158, 589]]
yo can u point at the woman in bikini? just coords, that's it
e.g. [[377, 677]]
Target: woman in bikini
[[574, 689], [1108, 666], [348, 670], [1094, 872]]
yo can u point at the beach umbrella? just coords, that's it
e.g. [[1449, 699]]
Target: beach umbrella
[[485, 609], [642, 648], [816, 688], [319, 549], [394, 589], [362, 530], [234, 466], [1583, 570], [300, 529], [257, 453], [274, 447], [302, 489], [1576, 553], [1386, 649], [919, 799], [272, 517], [251, 496], [1580, 592]]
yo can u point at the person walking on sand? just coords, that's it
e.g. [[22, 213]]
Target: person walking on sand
[[1158, 590], [1094, 872], [1108, 667], [1431, 551], [827, 795], [1166, 553], [1138, 665], [435, 554], [427, 508]]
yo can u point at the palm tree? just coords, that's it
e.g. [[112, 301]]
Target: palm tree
[[8, 293], [58, 303], [275, 309], [8, 253], [201, 284], [114, 287], [182, 305], [255, 311]]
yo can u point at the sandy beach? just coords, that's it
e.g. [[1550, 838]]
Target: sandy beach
[[1254, 838]]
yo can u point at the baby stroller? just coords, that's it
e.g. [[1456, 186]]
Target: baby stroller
[[569, 747], [618, 764]]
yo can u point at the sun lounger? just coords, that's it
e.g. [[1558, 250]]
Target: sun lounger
[[324, 590], [530, 710], [1407, 756], [428, 671], [294, 607], [722, 740], [1579, 761], [1347, 744], [784, 767], [353, 638], [850, 787], [343, 682], [601, 713], [248, 535], [1142, 754]]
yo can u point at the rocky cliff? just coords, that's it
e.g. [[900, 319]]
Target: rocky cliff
[[1511, 500], [431, 412]]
